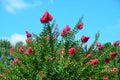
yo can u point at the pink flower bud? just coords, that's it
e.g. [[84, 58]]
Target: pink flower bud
[[28, 34], [80, 26]]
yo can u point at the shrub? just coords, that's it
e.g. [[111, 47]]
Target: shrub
[[48, 57]]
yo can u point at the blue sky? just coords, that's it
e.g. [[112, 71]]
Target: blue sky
[[17, 16]]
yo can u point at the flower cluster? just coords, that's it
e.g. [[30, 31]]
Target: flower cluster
[[46, 17], [71, 51], [66, 30], [15, 61], [48, 57], [84, 39]]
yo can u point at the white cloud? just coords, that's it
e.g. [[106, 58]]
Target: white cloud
[[13, 5], [16, 38]]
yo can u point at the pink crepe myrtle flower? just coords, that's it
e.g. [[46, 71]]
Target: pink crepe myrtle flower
[[71, 51], [89, 55], [107, 60], [94, 62], [98, 44], [113, 54], [101, 48], [46, 17], [116, 43], [115, 70], [106, 78], [30, 50], [28, 34], [80, 26], [21, 49], [48, 38], [66, 30], [26, 52], [84, 39], [15, 61], [12, 47]]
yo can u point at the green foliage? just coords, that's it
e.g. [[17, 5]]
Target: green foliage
[[50, 58]]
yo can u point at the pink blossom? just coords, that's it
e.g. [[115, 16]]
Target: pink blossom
[[107, 60], [46, 17], [101, 48], [89, 55], [26, 52], [71, 51], [66, 30], [30, 50], [48, 38], [94, 62], [106, 78], [115, 69], [28, 34], [116, 43], [15, 61], [12, 47], [98, 44], [21, 49], [113, 54], [80, 26], [84, 39]]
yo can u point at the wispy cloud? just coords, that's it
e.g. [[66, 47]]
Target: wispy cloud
[[15, 38], [13, 5]]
